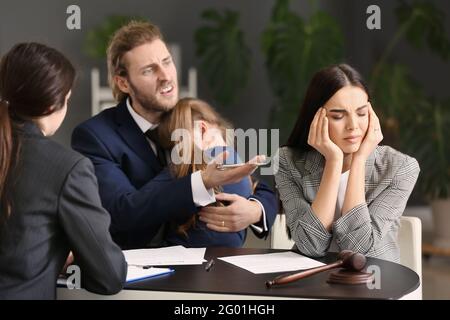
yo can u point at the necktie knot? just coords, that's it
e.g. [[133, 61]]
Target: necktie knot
[[152, 134]]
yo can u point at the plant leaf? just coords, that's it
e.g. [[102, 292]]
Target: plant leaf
[[225, 57], [427, 140], [427, 25]]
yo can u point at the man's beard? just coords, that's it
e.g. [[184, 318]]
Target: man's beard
[[150, 102]]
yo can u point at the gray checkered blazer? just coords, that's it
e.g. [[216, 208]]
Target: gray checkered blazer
[[369, 228]]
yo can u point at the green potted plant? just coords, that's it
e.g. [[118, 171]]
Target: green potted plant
[[422, 25]]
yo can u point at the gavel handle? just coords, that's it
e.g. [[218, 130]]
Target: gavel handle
[[302, 274]]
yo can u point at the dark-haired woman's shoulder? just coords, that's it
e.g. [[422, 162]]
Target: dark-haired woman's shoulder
[[51, 152], [48, 161], [393, 162]]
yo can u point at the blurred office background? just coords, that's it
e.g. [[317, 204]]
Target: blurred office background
[[406, 64]]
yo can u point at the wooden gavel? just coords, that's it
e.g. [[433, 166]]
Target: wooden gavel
[[347, 259]]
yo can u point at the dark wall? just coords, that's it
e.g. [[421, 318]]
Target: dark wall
[[363, 46], [45, 21]]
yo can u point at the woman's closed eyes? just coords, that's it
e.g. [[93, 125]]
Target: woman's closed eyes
[[338, 114]]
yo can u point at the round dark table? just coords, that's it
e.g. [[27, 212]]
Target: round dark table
[[224, 278]]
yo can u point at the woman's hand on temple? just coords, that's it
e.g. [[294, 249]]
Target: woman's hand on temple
[[319, 138], [372, 138]]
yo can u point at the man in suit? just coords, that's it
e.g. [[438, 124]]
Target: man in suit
[[128, 160]]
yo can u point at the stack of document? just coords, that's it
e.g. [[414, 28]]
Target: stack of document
[[141, 262], [168, 256], [272, 262]]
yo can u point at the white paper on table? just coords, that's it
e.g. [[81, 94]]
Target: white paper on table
[[168, 256], [272, 262]]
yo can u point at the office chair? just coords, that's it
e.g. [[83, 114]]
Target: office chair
[[279, 237], [410, 245]]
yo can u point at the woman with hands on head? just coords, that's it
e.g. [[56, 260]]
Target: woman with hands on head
[[339, 188]]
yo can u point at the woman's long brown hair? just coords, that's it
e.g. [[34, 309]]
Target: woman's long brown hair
[[34, 81]]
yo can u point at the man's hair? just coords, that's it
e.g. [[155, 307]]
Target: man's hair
[[128, 37]]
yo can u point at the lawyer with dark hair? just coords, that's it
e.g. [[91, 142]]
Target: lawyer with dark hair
[[49, 202]]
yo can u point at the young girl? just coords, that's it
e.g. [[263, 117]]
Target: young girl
[[205, 131], [339, 188]]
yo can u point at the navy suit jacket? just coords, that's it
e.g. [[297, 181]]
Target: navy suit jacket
[[139, 198]]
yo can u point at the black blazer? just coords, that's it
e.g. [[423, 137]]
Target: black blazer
[[56, 208]]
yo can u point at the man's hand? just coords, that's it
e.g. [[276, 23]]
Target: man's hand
[[236, 216], [69, 261], [213, 177]]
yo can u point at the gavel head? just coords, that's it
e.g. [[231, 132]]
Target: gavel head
[[352, 261]]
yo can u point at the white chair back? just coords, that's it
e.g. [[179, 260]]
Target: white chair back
[[279, 237], [410, 244]]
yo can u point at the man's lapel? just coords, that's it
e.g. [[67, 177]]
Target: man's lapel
[[134, 137]]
